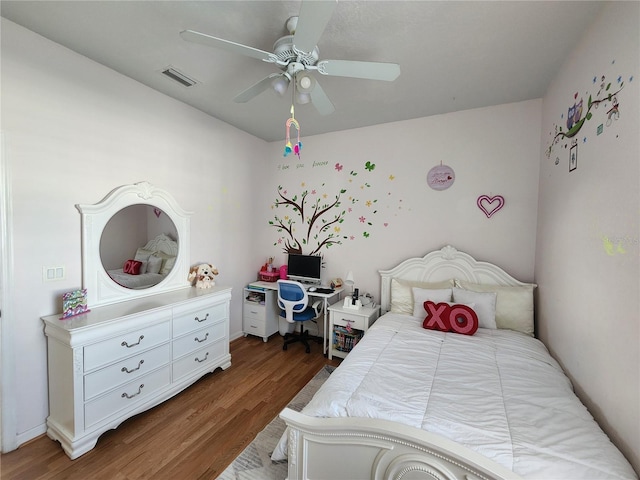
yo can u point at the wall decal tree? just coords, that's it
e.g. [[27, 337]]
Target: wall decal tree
[[320, 221]]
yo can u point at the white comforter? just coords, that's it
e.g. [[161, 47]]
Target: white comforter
[[144, 280], [498, 392]]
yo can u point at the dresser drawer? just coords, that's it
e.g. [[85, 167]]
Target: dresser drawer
[[356, 321], [126, 344], [194, 340], [198, 359], [125, 371], [189, 319], [126, 396]]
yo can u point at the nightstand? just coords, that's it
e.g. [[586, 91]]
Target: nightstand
[[347, 326]]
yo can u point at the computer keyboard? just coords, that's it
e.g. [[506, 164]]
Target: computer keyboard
[[324, 290]]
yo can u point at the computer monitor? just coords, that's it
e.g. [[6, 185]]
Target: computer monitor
[[304, 268]]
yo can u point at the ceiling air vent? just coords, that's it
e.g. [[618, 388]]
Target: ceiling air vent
[[179, 77]]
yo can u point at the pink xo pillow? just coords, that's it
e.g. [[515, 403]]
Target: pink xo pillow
[[132, 267], [450, 318]]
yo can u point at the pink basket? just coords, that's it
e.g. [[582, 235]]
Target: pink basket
[[268, 276]]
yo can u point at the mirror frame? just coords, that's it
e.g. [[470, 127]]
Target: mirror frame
[[101, 289]]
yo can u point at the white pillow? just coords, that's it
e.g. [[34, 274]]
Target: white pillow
[[168, 261], [421, 295], [485, 305], [143, 255], [154, 264], [402, 296], [514, 305]]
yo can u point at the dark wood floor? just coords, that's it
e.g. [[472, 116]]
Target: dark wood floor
[[194, 435]]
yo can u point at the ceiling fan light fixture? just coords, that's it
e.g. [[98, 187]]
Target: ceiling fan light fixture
[[280, 84], [305, 82], [303, 98]]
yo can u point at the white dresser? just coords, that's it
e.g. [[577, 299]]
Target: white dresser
[[119, 360]]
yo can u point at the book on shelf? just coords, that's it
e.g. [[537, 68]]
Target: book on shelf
[[253, 286]]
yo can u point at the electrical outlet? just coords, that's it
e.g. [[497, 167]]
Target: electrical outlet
[[52, 274]]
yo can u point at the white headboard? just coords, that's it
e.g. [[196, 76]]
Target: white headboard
[[443, 264], [163, 243]]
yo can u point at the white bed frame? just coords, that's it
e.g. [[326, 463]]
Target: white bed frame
[[359, 448]]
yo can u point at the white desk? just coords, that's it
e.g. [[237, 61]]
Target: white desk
[[337, 293]]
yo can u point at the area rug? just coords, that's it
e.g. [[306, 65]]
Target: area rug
[[255, 461]]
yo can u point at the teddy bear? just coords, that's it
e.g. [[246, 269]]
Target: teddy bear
[[203, 274]]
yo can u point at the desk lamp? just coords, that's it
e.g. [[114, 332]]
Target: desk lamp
[[354, 301]]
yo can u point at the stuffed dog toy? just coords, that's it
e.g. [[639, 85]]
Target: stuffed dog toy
[[203, 274]]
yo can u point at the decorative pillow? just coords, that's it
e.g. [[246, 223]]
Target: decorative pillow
[[450, 318], [402, 296], [485, 305], [421, 295], [514, 305], [143, 255], [168, 261], [154, 264], [132, 267]]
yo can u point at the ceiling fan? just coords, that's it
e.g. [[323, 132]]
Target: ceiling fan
[[297, 55]]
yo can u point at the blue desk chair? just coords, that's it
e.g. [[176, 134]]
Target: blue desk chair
[[294, 303]]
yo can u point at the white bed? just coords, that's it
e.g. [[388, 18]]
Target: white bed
[[162, 247], [414, 403]]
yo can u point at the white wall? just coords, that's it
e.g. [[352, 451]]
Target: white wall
[[493, 151], [588, 308], [73, 131]]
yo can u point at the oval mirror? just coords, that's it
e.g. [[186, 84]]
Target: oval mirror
[[139, 246], [129, 219]]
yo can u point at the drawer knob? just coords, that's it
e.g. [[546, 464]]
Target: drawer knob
[[200, 361], [125, 369], [200, 341], [125, 344], [202, 320], [126, 395]]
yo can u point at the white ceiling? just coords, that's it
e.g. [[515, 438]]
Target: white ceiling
[[453, 55]]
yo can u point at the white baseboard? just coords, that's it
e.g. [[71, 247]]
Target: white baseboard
[[30, 434]]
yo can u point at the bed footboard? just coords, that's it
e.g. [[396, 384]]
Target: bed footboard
[[358, 448]]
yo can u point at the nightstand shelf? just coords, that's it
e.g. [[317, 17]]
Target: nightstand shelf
[[260, 313], [347, 326]]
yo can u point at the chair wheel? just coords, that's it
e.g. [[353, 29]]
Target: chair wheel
[[284, 347], [308, 350]]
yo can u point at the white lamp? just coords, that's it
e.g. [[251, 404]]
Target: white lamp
[[349, 280], [351, 302]]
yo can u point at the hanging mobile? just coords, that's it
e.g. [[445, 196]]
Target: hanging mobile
[[288, 147]]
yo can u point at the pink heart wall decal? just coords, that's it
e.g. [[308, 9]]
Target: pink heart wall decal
[[157, 211], [490, 208]]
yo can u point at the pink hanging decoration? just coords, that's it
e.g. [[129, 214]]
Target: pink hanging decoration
[[288, 148]]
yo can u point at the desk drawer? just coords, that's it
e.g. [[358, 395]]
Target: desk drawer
[[127, 396], [125, 345], [191, 319], [255, 311], [195, 340], [125, 371]]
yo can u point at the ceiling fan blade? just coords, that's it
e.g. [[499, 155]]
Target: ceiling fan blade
[[320, 100], [256, 89], [312, 20], [368, 70], [229, 46]]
